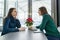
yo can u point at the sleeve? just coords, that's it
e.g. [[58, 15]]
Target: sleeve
[[6, 26], [18, 23], [43, 24]]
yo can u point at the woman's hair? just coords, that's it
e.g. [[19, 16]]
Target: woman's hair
[[43, 10], [10, 11], [9, 14]]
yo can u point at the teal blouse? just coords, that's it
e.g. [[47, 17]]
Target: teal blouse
[[49, 26]]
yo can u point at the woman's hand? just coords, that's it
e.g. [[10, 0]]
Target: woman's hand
[[22, 29]]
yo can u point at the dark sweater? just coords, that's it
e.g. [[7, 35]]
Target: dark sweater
[[10, 25]]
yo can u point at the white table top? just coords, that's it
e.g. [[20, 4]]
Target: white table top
[[24, 35]]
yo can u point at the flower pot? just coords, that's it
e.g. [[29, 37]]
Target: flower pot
[[29, 27]]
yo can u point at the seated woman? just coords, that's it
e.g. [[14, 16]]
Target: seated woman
[[11, 24], [48, 24]]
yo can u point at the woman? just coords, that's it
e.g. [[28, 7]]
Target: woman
[[11, 24], [48, 24]]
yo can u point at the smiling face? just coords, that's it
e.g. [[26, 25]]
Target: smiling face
[[14, 13]]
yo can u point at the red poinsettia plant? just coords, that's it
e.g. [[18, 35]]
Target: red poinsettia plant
[[29, 22]]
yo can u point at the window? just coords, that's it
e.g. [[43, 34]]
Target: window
[[1, 12], [22, 11], [36, 4]]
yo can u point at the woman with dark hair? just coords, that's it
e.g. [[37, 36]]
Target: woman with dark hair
[[11, 24], [48, 24]]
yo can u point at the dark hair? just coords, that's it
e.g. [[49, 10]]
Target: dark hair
[[10, 11], [43, 10], [9, 14]]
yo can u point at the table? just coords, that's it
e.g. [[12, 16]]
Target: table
[[24, 35]]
